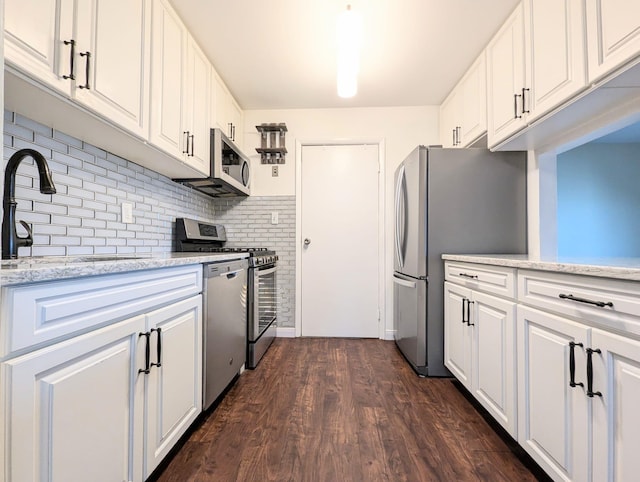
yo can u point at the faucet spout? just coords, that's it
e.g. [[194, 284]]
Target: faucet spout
[[10, 239]]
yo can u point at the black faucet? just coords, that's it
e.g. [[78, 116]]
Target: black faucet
[[10, 239]]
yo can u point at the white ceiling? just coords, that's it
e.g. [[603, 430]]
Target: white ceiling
[[279, 54]]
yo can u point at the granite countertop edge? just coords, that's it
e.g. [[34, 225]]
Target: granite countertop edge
[[617, 268], [32, 270]]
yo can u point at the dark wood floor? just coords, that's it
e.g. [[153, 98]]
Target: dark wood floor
[[320, 410]]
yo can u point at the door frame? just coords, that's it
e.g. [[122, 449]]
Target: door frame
[[380, 143]]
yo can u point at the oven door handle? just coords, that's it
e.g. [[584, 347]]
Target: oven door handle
[[265, 272]]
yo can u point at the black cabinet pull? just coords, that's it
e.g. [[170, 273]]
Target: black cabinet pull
[[86, 83], [147, 354], [72, 57], [233, 133], [158, 347], [186, 143], [524, 110], [515, 106], [469, 303], [600, 304], [192, 138], [463, 311], [458, 129], [590, 392], [453, 137], [471, 276], [572, 365]]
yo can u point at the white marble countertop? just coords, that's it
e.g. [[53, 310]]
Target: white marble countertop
[[48, 268], [620, 268]]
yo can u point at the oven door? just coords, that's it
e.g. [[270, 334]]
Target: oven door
[[264, 301]]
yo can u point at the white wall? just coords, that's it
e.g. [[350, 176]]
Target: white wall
[[401, 128]]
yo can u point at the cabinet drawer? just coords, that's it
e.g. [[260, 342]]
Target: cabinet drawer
[[491, 279], [612, 303], [39, 313]]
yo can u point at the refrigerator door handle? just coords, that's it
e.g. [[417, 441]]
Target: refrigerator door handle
[[400, 221], [405, 283]]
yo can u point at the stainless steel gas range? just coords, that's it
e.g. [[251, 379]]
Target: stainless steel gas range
[[198, 236]]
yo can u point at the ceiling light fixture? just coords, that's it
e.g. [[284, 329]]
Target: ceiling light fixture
[[349, 41]]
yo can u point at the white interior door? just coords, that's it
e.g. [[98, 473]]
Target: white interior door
[[340, 250]]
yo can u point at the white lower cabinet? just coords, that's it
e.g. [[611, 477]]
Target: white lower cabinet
[[108, 402], [553, 415], [568, 346], [174, 389], [480, 349], [74, 410], [571, 413], [77, 410], [616, 419]]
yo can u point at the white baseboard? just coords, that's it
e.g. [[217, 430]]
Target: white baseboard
[[389, 334], [286, 332]]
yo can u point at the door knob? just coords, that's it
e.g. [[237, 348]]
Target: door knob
[[307, 241]]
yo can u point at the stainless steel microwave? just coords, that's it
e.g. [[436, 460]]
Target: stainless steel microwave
[[230, 169]]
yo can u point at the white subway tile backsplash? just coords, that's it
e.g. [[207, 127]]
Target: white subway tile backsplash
[[84, 217]]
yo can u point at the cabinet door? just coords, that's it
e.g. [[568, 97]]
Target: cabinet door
[[552, 416], [458, 334], [494, 357], [450, 113], [113, 81], [198, 87], [556, 53], [473, 90], [236, 119], [220, 104], [34, 34], [174, 390], [616, 418], [505, 79], [168, 81], [74, 410], [613, 35]]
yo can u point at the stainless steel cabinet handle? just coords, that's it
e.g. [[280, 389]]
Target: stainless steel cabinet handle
[[307, 241]]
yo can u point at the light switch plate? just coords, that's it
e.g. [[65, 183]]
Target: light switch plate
[[127, 212]]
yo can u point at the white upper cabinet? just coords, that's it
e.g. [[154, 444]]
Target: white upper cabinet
[[168, 84], [463, 114], [535, 63], [613, 28], [555, 54], [505, 79], [39, 39], [180, 91], [87, 50], [198, 105], [226, 113], [112, 68]]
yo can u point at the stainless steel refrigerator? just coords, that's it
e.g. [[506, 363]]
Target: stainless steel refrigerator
[[449, 201]]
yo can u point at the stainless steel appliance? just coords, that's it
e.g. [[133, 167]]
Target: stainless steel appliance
[[230, 173], [197, 236], [225, 325], [448, 201]]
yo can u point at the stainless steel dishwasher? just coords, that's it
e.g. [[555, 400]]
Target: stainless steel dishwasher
[[225, 330]]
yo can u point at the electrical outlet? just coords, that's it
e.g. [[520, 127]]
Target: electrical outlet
[[274, 217], [127, 212], [274, 171]]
